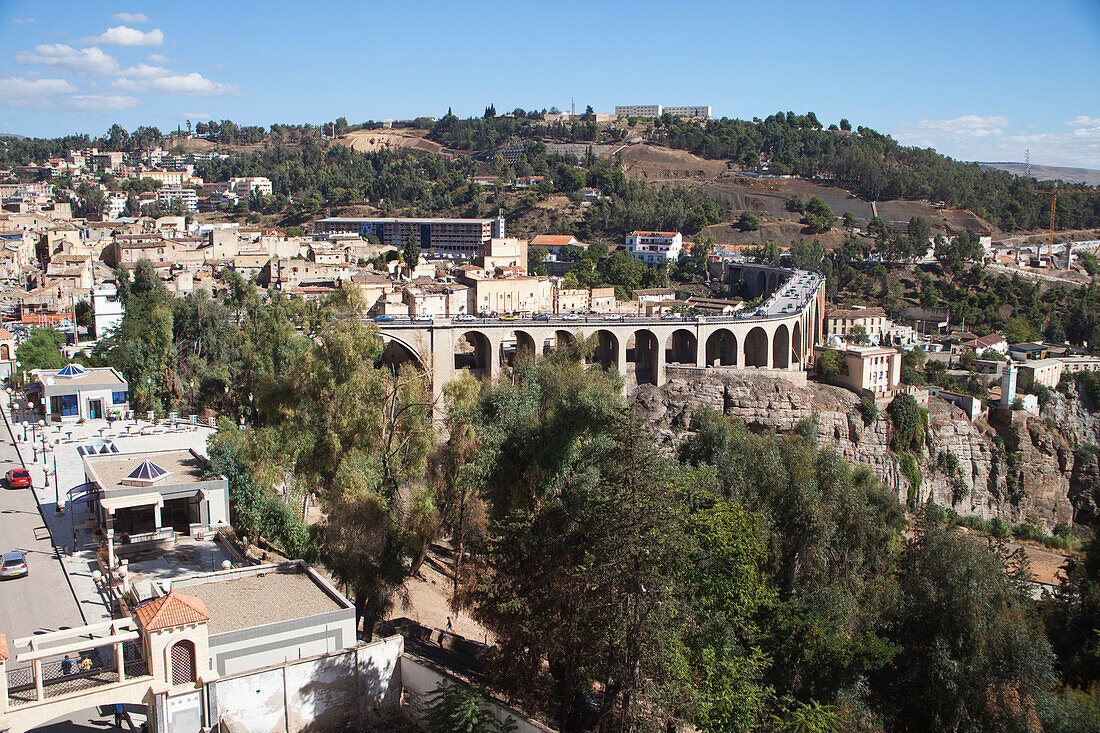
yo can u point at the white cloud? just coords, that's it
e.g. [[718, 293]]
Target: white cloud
[[158, 58], [1084, 121], [121, 35], [131, 17], [17, 91], [91, 61], [195, 116], [967, 127], [24, 21], [100, 102], [158, 80]]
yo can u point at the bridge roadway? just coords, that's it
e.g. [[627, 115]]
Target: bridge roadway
[[778, 335]]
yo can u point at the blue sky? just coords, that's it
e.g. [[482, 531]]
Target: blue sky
[[975, 80]]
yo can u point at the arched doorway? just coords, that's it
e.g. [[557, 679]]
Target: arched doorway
[[183, 662], [472, 351], [756, 348], [641, 349], [607, 350], [797, 347], [516, 346], [722, 348], [781, 348]]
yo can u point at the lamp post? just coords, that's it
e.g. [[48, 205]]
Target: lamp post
[[42, 436], [56, 483], [192, 383]]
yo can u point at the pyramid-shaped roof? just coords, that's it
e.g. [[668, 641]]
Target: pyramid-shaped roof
[[147, 471], [71, 370], [174, 609]]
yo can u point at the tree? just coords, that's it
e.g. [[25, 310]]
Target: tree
[[566, 582], [906, 419], [411, 252], [918, 234], [457, 708], [971, 656], [794, 203], [42, 350], [845, 125], [536, 259], [748, 221]]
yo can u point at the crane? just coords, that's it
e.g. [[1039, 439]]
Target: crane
[[1053, 193]]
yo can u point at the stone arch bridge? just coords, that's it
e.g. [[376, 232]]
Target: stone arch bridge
[[777, 336]]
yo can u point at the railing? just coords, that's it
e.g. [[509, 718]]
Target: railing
[[75, 673], [164, 533]]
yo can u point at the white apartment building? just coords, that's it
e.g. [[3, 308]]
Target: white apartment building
[[168, 178], [244, 187], [702, 113], [107, 309], [655, 248], [638, 110], [168, 195]]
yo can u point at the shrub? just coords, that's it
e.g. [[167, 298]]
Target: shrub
[[868, 410], [909, 470]]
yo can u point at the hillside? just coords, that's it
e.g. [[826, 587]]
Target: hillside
[[1087, 176]]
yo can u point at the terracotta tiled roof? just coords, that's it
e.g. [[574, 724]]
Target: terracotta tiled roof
[[553, 239], [3, 648], [174, 609]]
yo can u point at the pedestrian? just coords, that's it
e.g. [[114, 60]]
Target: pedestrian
[[117, 710], [66, 665], [450, 628]]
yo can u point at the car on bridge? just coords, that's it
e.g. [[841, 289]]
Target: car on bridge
[[570, 317], [540, 317], [384, 319], [19, 478]]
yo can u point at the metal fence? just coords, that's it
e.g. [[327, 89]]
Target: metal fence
[[75, 673]]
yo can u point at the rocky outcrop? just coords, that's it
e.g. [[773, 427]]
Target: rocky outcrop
[[1011, 465]]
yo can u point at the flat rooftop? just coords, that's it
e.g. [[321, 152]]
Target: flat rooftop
[[184, 467], [257, 600]]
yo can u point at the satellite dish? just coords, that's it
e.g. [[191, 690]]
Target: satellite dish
[[49, 381]]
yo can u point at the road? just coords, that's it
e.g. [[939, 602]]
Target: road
[[42, 601]]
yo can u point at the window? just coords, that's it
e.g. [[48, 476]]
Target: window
[[118, 398], [183, 662]]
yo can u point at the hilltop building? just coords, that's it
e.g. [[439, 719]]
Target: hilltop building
[[655, 248], [462, 238]]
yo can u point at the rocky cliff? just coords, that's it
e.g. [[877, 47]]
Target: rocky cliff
[[1010, 464]]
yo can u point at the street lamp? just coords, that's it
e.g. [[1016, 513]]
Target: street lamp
[[42, 435], [192, 395]]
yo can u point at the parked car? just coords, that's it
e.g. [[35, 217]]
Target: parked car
[[13, 565], [19, 478]]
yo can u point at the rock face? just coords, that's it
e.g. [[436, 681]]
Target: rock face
[[1012, 465]]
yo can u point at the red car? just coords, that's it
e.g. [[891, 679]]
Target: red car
[[19, 478]]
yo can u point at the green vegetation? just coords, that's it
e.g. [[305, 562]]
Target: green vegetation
[[41, 350]]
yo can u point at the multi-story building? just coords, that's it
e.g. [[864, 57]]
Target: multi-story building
[[655, 248], [638, 110], [454, 237], [168, 178], [843, 322], [872, 370], [702, 112], [168, 195], [244, 187], [107, 309]]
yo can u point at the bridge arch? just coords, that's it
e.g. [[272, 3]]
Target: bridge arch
[[683, 347], [607, 349], [474, 351], [756, 348], [781, 347], [772, 284], [761, 284], [642, 348], [517, 346], [396, 353], [721, 348]]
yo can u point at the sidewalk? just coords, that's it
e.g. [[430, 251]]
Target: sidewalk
[[72, 530]]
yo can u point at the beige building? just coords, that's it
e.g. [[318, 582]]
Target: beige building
[[518, 294], [1074, 364], [871, 370], [843, 321], [433, 299], [1047, 372], [504, 252]]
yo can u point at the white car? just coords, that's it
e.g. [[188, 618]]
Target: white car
[[670, 317], [570, 317], [465, 318], [613, 317]]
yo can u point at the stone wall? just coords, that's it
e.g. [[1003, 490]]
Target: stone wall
[[1052, 482]]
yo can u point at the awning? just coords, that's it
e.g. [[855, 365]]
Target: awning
[[115, 503]]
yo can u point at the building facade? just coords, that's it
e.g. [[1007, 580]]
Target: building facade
[[80, 393], [461, 238], [655, 248]]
